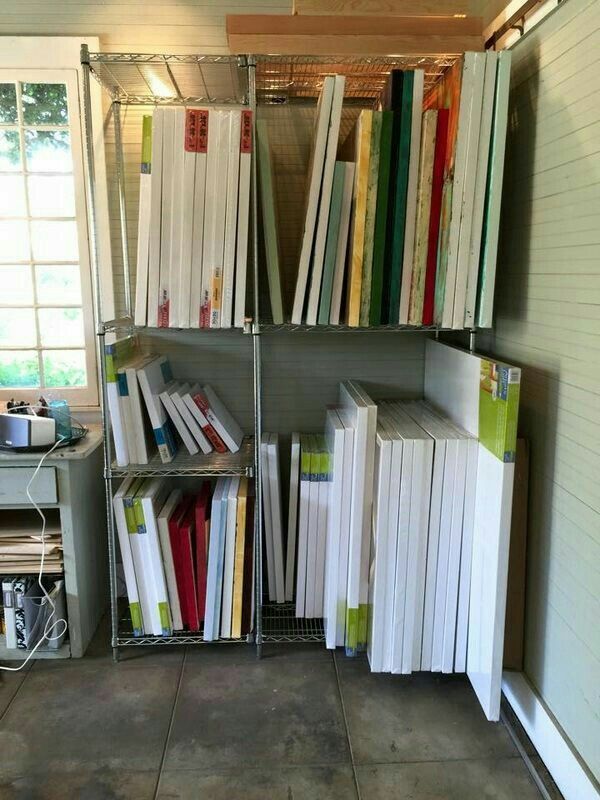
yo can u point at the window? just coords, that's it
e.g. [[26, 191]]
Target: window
[[46, 315]]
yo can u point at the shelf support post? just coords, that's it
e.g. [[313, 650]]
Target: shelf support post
[[258, 528]]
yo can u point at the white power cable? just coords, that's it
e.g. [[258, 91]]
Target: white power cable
[[49, 627]]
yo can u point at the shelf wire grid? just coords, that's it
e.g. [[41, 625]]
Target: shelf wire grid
[[280, 624], [213, 464], [125, 637], [290, 327], [286, 79], [156, 79]]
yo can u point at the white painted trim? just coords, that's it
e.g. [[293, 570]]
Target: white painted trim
[[554, 748], [62, 52]]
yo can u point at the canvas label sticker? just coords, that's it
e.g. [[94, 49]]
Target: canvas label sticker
[[499, 387]]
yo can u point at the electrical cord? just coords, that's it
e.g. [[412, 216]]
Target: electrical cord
[[49, 634]]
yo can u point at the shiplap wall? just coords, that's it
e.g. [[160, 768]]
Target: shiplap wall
[[548, 320]]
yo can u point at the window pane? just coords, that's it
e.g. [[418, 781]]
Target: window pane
[[8, 103], [54, 241], [16, 285], [51, 196], [48, 151], [44, 103], [64, 368], [61, 327], [17, 327], [14, 241], [12, 196], [10, 151], [19, 369], [57, 284]]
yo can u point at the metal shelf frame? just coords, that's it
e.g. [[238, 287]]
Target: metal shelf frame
[[157, 79]]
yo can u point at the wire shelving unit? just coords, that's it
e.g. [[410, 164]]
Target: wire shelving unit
[[139, 79]]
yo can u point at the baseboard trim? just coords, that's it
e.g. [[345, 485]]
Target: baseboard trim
[[549, 740]]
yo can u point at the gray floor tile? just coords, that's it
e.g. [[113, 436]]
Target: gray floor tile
[[10, 683], [279, 783], [245, 653], [482, 779], [393, 718], [82, 785], [99, 653], [110, 717], [272, 711]]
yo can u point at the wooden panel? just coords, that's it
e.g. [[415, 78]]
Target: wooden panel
[[13, 485], [285, 25], [548, 321], [317, 35], [407, 8], [352, 45]]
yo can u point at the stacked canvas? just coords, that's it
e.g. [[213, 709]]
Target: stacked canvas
[[194, 218], [421, 541], [187, 558], [150, 411], [404, 224]]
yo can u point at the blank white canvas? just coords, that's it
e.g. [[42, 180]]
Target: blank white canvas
[[276, 518], [302, 536], [325, 200], [489, 575], [154, 233], [268, 519], [454, 551], [315, 176], [379, 551], [334, 437], [292, 525], [464, 586], [345, 529], [231, 217]]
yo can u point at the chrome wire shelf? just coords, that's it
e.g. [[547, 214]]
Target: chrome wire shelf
[[289, 326], [288, 79], [157, 79], [125, 637], [214, 464], [127, 325], [280, 624]]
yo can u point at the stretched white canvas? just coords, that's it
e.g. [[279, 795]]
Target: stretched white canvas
[[292, 522], [315, 175]]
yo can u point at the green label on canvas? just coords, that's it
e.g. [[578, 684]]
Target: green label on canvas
[[499, 387], [136, 618], [165, 624], [146, 144], [351, 629]]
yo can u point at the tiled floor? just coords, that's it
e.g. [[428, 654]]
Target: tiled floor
[[214, 723]]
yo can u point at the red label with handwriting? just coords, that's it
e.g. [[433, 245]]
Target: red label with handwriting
[[246, 136], [196, 130]]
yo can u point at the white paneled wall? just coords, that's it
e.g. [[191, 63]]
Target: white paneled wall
[[177, 26], [548, 321]]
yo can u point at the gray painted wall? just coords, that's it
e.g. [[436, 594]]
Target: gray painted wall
[[548, 321]]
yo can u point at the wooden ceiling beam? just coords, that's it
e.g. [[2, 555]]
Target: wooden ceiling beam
[[388, 8], [358, 35]]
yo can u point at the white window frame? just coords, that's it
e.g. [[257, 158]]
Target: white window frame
[[57, 60]]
